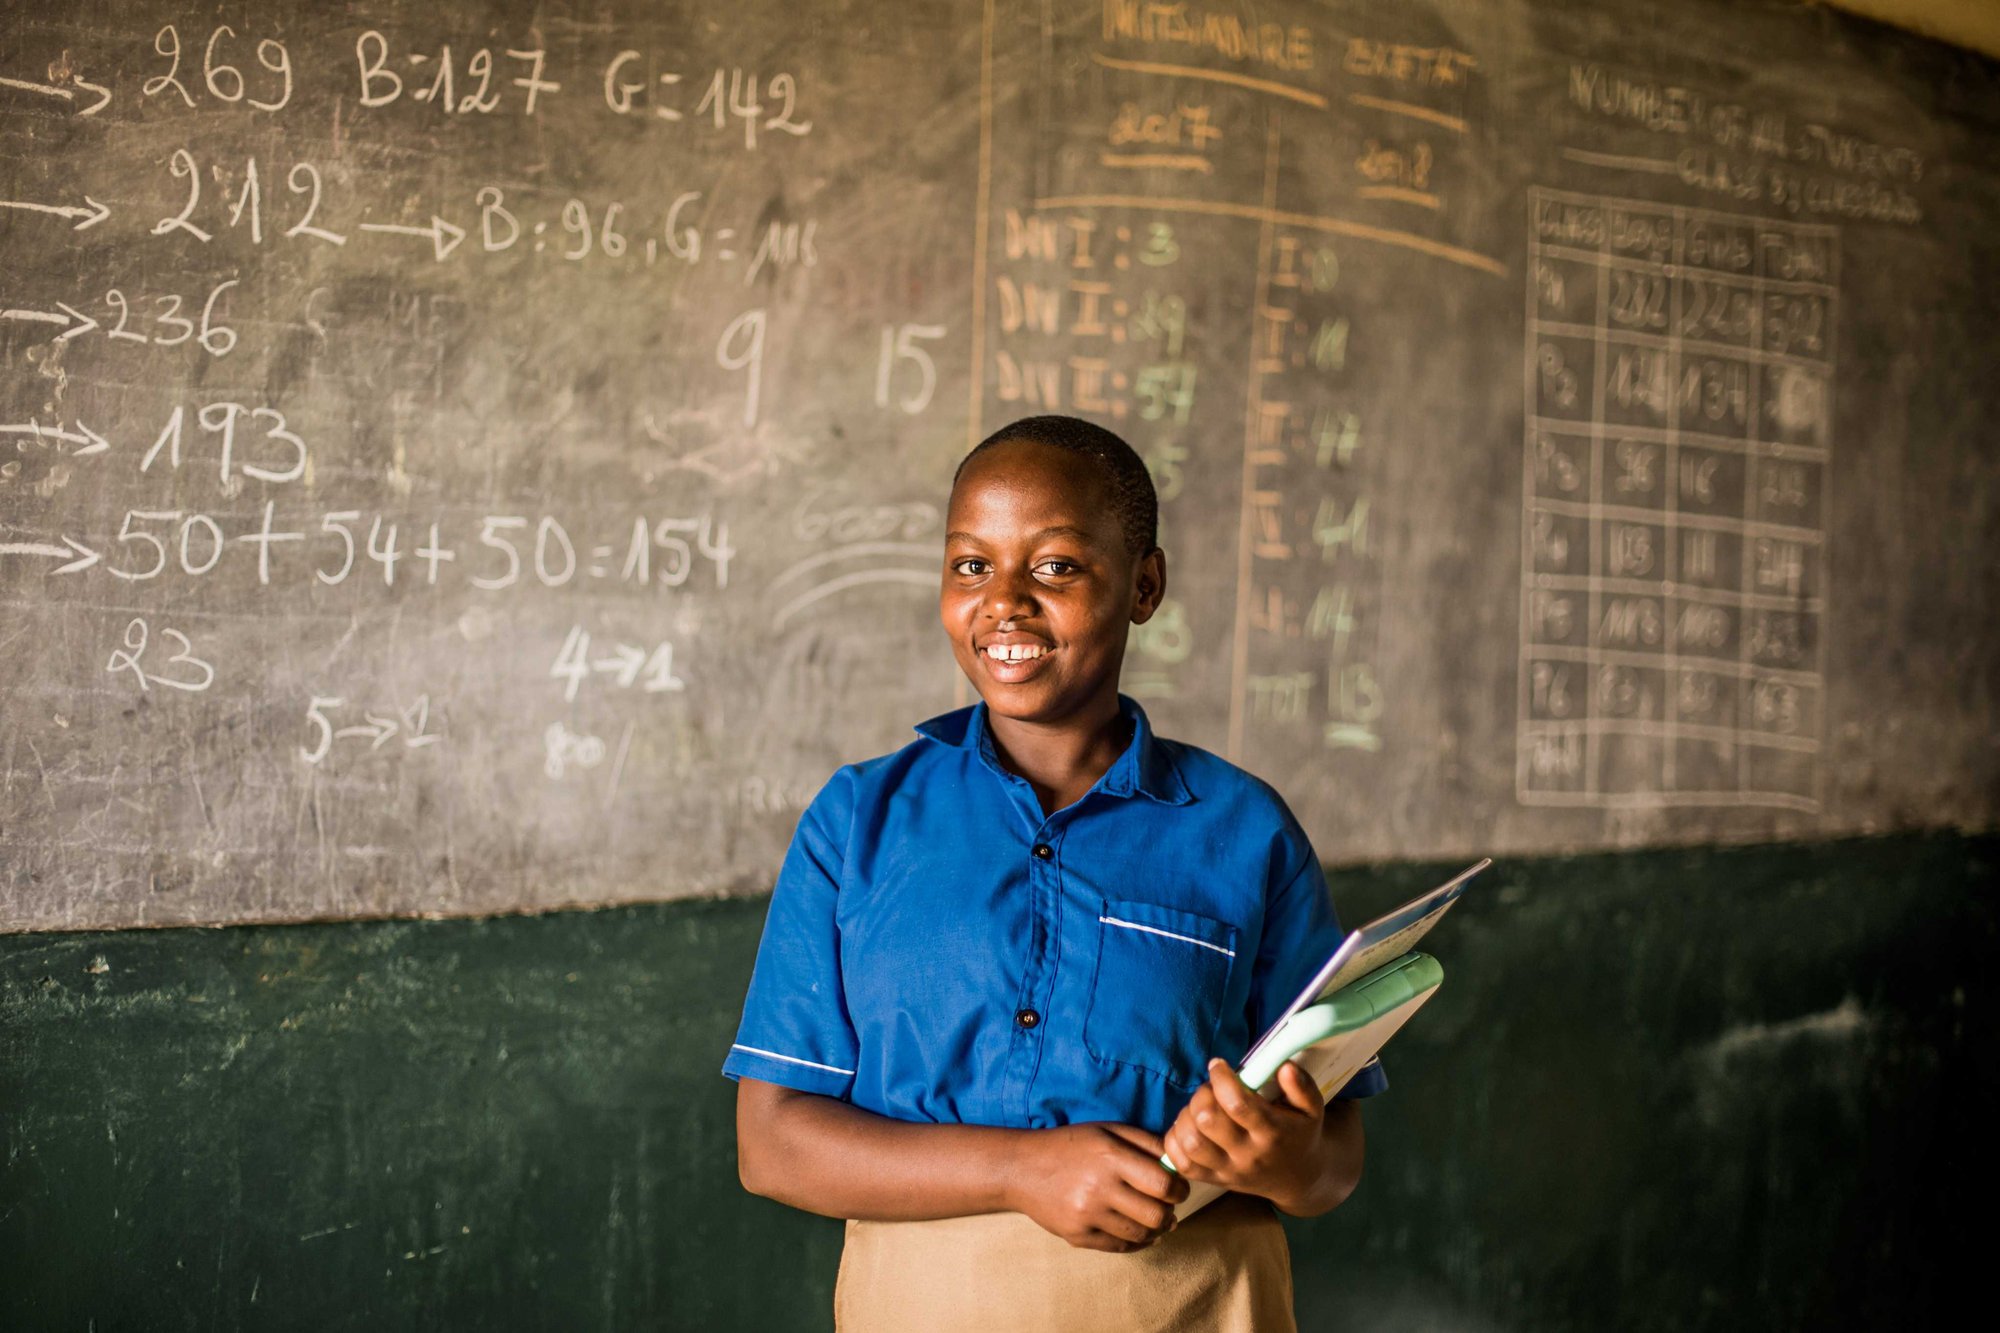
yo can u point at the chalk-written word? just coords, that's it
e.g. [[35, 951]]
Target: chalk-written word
[[1756, 154], [813, 521], [1407, 166], [1224, 33], [1397, 62], [1672, 109], [1176, 140]]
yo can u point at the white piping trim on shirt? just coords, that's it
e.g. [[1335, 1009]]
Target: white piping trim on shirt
[[790, 1059], [1155, 930]]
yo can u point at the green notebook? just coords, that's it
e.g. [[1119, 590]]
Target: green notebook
[[1336, 1038], [1351, 1008], [1391, 991]]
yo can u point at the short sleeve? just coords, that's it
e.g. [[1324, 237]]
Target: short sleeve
[[1300, 934], [795, 1029]]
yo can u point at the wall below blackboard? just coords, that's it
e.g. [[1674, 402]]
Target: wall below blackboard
[[1782, 1058]]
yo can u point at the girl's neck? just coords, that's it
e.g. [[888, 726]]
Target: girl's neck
[[1062, 760]]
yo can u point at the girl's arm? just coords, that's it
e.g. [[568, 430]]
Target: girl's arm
[[1098, 1187], [1301, 1152]]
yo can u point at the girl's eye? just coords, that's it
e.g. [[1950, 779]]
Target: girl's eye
[[969, 567], [1058, 568]]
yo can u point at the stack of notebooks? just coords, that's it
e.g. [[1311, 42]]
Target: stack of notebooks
[[1363, 994]]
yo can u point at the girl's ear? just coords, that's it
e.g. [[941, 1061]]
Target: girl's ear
[[1149, 585]]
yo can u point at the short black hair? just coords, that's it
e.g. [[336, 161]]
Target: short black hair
[[1133, 500]]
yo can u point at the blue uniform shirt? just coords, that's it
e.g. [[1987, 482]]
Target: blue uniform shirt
[[939, 950]]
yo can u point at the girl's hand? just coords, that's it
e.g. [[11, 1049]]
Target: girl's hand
[[1098, 1186], [1230, 1136]]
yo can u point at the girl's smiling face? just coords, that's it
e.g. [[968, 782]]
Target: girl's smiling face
[[1039, 588]]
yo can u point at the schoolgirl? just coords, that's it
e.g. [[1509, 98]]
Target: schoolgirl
[[1011, 964]]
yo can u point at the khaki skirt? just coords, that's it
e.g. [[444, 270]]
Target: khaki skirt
[[1224, 1270]]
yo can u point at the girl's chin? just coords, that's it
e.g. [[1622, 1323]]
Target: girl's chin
[[1038, 702]]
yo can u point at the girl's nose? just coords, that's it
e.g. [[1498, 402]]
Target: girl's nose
[[1010, 598]]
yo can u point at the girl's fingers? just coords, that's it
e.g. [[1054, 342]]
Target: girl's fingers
[[1141, 1168], [1198, 1149], [1245, 1109], [1177, 1152], [1221, 1128], [1148, 1177], [1113, 1219], [1105, 1241], [1147, 1212], [1144, 1140], [1301, 1092]]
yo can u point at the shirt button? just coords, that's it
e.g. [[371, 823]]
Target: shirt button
[[1043, 852], [1027, 1018]]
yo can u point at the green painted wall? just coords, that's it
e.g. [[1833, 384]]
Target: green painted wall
[[1666, 1090]]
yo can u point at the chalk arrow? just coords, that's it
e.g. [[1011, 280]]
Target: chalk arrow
[[88, 216], [444, 236], [626, 664], [66, 94], [93, 442], [85, 556], [98, 444], [82, 323], [378, 730]]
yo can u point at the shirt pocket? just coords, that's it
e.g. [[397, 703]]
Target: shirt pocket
[[1156, 998]]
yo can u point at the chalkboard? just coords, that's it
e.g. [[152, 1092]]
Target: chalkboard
[[490, 457]]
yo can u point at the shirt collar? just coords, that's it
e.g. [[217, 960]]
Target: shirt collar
[[1146, 768]]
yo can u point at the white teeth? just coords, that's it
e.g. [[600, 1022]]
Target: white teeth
[[1014, 652]]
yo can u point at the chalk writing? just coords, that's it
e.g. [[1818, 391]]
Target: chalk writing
[[1207, 29], [377, 727], [1679, 365], [223, 81], [625, 664], [1751, 153], [1305, 500], [196, 676]]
